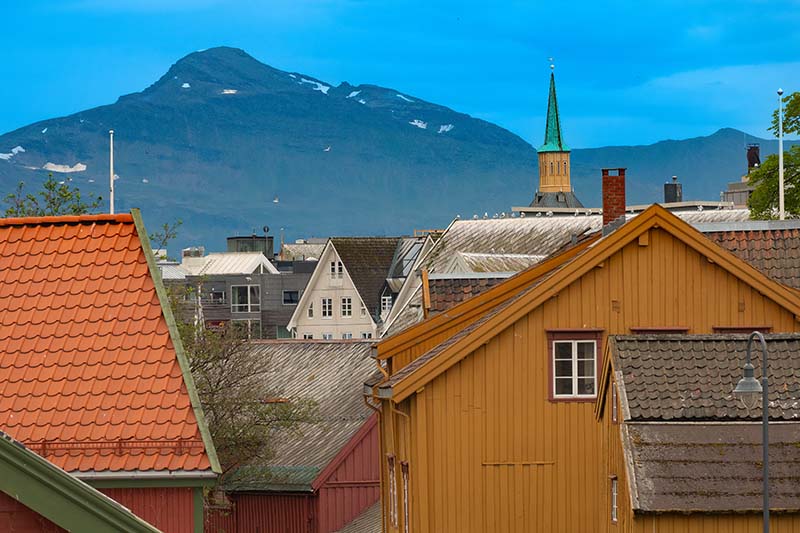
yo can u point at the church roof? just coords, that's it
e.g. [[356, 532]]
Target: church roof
[[553, 140]]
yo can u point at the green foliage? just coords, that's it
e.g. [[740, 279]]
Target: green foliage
[[233, 385], [54, 199], [763, 201], [159, 240], [791, 115]]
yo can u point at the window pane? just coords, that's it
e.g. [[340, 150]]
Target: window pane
[[255, 295], [563, 386], [586, 350], [586, 368], [585, 385], [563, 368], [563, 350]]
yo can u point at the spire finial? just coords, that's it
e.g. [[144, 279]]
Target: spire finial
[[552, 65]]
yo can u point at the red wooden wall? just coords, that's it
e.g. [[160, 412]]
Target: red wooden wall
[[18, 518], [353, 486], [169, 509], [349, 485]]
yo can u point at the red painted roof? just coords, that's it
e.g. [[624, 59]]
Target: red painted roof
[[90, 377]]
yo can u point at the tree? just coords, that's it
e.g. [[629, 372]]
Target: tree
[[160, 239], [763, 201], [55, 198]]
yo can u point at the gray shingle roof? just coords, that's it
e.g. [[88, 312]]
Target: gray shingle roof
[[332, 374], [367, 260], [555, 199], [706, 467], [367, 522], [774, 252], [691, 377]]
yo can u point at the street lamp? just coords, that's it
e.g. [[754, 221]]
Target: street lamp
[[747, 390]]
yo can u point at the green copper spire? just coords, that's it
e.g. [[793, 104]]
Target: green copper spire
[[553, 141]]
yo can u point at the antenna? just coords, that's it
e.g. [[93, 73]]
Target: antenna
[[111, 170]]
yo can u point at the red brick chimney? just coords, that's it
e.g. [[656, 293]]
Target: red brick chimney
[[613, 194]]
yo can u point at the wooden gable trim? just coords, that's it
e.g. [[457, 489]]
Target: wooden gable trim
[[605, 378], [470, 307], [339, 458], [654, 216]]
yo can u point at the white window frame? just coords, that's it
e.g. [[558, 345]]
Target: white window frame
[[283, 298], [347, 336], [250, 306], [406, 504], [614, 500], [346, 307], [310, 310], [366, 335], [308, 336], [329, 306], [614, 408], [337, 270], [574, 373], [327, 336], [390, 462], [385, 308]]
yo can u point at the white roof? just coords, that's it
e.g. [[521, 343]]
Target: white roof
[[230, 263]]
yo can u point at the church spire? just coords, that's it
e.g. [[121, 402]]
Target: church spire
[[553, 140]]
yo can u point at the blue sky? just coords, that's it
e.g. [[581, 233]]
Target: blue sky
[[628, 72]]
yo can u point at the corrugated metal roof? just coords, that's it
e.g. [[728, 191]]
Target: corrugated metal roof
[[230, 263], [710, 468], [367, 522], [477, 262], [685, 377], [332, 374], [172, 271]]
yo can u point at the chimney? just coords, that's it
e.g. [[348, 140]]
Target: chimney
[[613, 194], [673, 192], [753, 157]]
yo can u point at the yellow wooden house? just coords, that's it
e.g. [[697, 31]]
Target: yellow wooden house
[[488, 412]]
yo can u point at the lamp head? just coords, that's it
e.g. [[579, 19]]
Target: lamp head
[[748, 389]]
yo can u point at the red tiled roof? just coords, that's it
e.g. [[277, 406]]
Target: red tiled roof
[[90, 377]]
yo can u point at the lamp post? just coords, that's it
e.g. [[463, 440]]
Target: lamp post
[[781, 212], [748, 389]]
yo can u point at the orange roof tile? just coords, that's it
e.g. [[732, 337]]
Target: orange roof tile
[[90, 376]]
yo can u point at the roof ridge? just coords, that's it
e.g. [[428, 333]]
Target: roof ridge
[[121, 218]]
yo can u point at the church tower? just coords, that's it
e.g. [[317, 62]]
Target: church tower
[[555, 189]]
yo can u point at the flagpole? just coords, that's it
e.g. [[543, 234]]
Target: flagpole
[[781, 212]]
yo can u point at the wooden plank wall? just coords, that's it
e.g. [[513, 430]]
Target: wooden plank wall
[[489, 452]]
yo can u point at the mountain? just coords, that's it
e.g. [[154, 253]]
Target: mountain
[[229, 145]]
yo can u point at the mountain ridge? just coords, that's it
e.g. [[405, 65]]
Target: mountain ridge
[[221, 136]]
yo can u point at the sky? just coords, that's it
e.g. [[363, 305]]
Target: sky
[[628, 72]]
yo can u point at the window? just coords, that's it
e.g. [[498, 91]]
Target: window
[[250, 328], [327, 336], [392, 491], [291, 297], [565, 168], [327, 308], [363, 310], [337, 270], [614, 412], [366, 335], [310, 311], [573, 360], [347, 307], [308, 336], [245, 299], [614, 510], [551, 168], [404, 470], [347, 336], [216, 297], [386, 304]]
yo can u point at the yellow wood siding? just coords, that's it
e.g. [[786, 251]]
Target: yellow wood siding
[[489, 452]]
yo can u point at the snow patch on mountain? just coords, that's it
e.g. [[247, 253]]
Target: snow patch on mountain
[[362, 101], [406, 98], [185, 86], [444, 128], [14, 151], [230, 91], [353, 94], [419, 123], [44, 130], [53, 167], [318, 86]]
